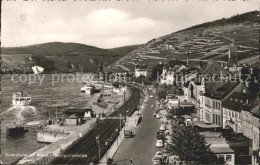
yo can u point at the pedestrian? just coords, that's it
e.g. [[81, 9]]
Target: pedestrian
[[131, 161], [165, 144]]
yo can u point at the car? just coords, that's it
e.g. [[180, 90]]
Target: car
[[157, 160], [128, 133], [167, 132], [151, 96], [165, 154], [158, 154], [159, 143], [160, 135], [158, 116], [162, 127]]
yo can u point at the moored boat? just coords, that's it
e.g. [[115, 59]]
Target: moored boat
[[21, 99], [87, 88], [15, 130]]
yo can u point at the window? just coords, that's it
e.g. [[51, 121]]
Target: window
[[228, 158], [214, 116], [218, 119]]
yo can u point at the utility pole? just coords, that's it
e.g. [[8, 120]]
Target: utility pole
[[56, 114], [120, 122], [97, 138], [125, 105]]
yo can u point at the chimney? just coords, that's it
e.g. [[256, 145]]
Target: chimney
[[244, 90], [247, 101]]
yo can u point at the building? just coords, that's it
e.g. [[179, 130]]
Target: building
[[215, 94], [77, 116], [141, 70], [173, 103], [173, 75], [220, 148], [241, 113], [167, 76]]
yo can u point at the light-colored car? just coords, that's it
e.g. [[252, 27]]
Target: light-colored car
[[158, 154], [159, 143], [167, 132], [158, 116], [151, 96], [162, 127]]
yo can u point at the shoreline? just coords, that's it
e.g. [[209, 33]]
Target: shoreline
[[75, 131]]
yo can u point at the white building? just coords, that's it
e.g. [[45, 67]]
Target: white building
[[167, 77], [141, 70]]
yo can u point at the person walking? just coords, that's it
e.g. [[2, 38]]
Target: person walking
[[131, 162]]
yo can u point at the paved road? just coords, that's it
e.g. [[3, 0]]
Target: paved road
[[140, 148]]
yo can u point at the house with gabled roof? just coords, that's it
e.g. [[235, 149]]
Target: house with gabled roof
[[215, 94], [241, 113]]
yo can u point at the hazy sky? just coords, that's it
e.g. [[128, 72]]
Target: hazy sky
[[108, 24]]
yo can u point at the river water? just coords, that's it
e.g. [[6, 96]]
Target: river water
[[48, 93]]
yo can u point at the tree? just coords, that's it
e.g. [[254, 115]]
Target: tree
[[163, 89], [188, 145]]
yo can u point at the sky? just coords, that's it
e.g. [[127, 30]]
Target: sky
[[108, 24]]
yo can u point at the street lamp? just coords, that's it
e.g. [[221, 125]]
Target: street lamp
[[120, 121], [97, 138], [106, 149], [117, 131]]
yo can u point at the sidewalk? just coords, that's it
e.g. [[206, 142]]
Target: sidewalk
[[131, 123]]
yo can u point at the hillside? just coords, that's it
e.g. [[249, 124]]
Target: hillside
[[60, 57], [209, 40]]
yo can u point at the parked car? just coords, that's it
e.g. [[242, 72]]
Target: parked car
[[157, 160], [128, 133], [159, 143], [151, 96], [158, 154], [158, 116], [162, 127], [161, 136], [167, 132]]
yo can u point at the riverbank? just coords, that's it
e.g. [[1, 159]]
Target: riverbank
[[75, 132]]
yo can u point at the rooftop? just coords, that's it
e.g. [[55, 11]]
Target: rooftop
[[77, 110], [219, 90], [214, 67], [206, 125], [241, 101], [221, 150], [141, 66]]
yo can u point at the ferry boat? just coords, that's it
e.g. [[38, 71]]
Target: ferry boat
[[15, 130], [21, 99], [87, 88]]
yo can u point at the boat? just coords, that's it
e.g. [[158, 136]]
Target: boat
[[87, 88], [33, 124], [15, 130], [21, 99]]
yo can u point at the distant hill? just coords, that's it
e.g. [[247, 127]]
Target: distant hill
[[205, 41], [60, 57]]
